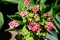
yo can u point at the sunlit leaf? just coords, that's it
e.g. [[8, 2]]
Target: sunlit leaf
[[25, 31], [57, 21], [52, 35], [12, 1], [1, 20], [21, 5]]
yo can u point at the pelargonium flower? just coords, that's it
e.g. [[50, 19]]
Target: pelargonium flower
[[35, 9], [33, 26], [49, 13], [13, 24], [26, 2], [48, 19], [23, 13], [45, 14], [49, 26]]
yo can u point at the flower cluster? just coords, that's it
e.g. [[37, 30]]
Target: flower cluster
[[33, 20], [49, 26], [13, 24], [23, 13], [26, 2], [34, 26], [35, 9]]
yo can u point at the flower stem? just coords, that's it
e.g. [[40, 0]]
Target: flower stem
[[56, 2], [37, 1]]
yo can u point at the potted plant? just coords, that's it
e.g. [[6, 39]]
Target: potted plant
[[33, 22]]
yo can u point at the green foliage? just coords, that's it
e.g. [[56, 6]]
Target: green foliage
[[39, 18], [1, 20], [57, 21], [40, 32], [42, 5], [51, 35], [29, 38], [21, 5], [19, 37], [55, 10], [12, 1], [25, 31], [15, 17]]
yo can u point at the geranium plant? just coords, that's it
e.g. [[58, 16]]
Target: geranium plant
[[32, 21]]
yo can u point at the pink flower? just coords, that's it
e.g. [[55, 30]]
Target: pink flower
[[45, 14], [48, 19], [49, 26], [35, 9], [26, 2], [34, 26], [23, 13], [49, 14], [13, 24]]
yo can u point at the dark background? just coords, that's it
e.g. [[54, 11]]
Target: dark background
[[6, 9], [10, 9]]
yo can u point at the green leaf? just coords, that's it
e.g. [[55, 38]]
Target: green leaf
[[29, 38], [18, 37], [56, 23], [1, 20], [56, 10], [15, 17], [24, 20], [31, 5], [21, 5], [51, 11], [41, 23], [42, 1], [12, 1], [38, 32], [24, 31], [42, 5], [32, 2], [58, 18], [52, 35], [37, 18]]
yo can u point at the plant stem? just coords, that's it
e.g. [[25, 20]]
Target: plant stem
[[37, 1], [56, 2], [56, 29]]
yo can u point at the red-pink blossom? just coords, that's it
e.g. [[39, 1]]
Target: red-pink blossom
[[34, 26], [13, 24], [23, 13], [26, 2], [35, 9], [49, 26], [49, 13], [48, 19], [45, 14]]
